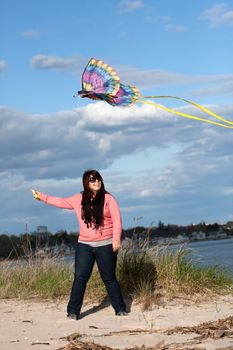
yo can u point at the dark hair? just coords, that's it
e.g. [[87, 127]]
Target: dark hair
[[92, 207]]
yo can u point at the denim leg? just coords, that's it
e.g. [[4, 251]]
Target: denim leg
[[84, 261], [106, 261]]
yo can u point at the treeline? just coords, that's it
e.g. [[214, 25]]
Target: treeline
[[172, 231], [12, 246]]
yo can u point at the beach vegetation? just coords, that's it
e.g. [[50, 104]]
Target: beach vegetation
[[147, 274]]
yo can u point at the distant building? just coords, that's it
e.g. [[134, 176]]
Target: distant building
[[42, 232], [229, 225], [41, 229], [198, 235]]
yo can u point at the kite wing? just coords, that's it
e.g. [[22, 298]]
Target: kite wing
[[101, 82], [126, 96], [99, 78]]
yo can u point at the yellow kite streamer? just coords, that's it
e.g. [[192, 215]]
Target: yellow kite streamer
[[185, 115]]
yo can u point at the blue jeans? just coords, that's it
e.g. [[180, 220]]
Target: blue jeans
[[85, 257]]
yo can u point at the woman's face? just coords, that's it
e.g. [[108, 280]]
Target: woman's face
[[94, 183]]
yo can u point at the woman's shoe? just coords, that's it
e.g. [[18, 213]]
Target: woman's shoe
[[121, 313], [72, 316]]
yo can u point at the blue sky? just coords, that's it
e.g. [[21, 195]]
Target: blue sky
[[159, 166]]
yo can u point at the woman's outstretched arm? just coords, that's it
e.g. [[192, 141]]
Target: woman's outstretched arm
[[65, 203]]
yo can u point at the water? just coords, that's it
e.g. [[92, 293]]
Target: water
[[216, 252], [206, 253]]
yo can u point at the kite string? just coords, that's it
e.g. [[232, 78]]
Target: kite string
[[184, 114]]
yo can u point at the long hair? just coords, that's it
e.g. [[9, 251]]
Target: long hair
[[92, 207]]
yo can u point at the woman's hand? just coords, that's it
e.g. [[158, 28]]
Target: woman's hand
[[116, 245], [36, 194]]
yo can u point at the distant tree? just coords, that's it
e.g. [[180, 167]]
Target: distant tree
[[73, 238], [62, 237], [9, 246]]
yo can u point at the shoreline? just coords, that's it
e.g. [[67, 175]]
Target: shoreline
[[40, 325], [72, 254]]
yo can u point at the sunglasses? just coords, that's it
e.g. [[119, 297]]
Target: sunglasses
[[93, 179]]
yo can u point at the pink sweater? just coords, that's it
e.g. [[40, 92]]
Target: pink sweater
[[110, 227]]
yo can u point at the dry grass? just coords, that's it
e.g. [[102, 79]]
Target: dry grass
[[151, 273], [180, 275], [145, 274], [44, 279]]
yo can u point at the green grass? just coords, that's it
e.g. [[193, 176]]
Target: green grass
[[179, 275], [137, 272], [144, 275], [44, 279]]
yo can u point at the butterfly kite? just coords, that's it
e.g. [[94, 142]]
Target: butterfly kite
[[101, 82]]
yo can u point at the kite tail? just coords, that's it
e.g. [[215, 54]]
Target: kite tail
[[228, 124]]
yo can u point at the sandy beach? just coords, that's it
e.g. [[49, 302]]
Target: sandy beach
[[177, 324]]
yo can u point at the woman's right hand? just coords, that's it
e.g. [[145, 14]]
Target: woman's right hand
[[36, 194]]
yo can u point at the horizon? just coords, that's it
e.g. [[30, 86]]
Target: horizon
[[27, 230]]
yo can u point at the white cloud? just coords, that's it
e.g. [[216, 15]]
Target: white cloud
[[178, 28], [228, 191], [111, 132], [130, 5], [157, 77], [129, 75], [103, 115], [226, 88], [141, 78], [54, 62], [64, 144], [167, 23], [30, 34], [3, 65], [104, 144], [218, 15]]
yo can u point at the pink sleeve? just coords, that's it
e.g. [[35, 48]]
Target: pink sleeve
[[65, 203], [116, 218]]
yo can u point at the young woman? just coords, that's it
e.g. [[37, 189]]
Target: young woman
[[99, 219]]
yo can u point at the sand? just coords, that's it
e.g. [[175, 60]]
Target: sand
[[35, 325]]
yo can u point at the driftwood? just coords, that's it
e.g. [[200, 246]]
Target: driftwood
[[213, 329], [37, 342], [160, 346], [80, 345]]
